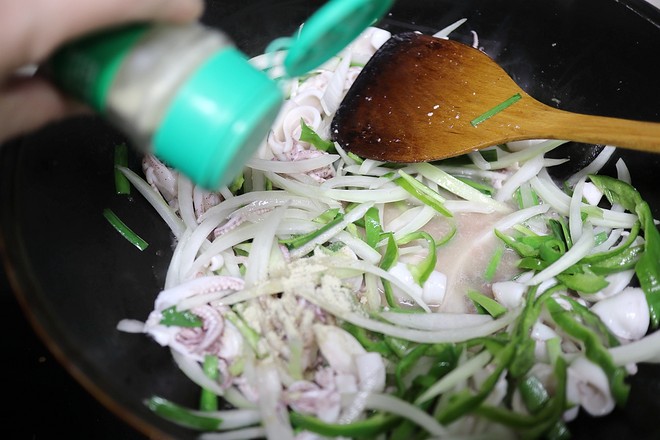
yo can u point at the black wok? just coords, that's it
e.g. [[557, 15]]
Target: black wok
[[75, 278]]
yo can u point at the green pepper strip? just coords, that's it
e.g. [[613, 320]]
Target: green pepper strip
[[122, 185], [124, 230], [399, 347], [181, 416], [300, 240], [587, 282], [533, 393], [407, 362], [493, 308], [208, 401], [389, 259], [532, 263], [546, 417], [552, 250], [593, 321], [560, 231], [372, 227], [327, 216], [309, 135], [628, 259], [464, 403], [422, 271], [366, 428], [522, 249], [367, 341], [493, 264], [185, 318], [422, 192], [647, 267], [595, 258], [236, 184], [594, 349]]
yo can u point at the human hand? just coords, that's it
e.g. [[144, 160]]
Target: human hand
[[30, 30]]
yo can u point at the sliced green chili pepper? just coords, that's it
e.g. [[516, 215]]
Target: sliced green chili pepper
[[422, 192], [171, 317], [422, 271], [647, 267], [594, 349], [309, 135], [300, 240], [493, 308], [372, 227], [208, 401], [366, 428], [182, 416]]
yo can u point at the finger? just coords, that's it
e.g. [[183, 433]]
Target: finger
[[29, 103], [31, 29]]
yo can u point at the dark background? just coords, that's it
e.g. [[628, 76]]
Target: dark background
[[41, 399]]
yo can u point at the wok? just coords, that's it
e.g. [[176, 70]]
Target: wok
[[75, 278]]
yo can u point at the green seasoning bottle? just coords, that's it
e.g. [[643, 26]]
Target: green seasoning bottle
[[183, 93], [187, 95]]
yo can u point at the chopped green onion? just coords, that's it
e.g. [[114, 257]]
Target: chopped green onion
[[495, 110], [122, 185], [422, 192], [124, 230]]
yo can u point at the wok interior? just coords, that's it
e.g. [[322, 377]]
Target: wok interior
[[80, 278]]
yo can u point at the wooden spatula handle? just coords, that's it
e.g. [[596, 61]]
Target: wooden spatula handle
[[559, 124]]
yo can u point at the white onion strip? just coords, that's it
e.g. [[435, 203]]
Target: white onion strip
[[290, 167], [156, 200], [593, 168], [195, 373], [436, 321]]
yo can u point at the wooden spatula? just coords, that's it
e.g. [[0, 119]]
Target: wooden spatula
[[422, 98]]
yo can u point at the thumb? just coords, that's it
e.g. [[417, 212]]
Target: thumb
[[32, 29], [28, 103]]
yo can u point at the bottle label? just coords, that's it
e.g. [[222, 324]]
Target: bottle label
[[86, 68]]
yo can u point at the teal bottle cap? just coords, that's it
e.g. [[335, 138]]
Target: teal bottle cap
[[217, 119], [329, 30]]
